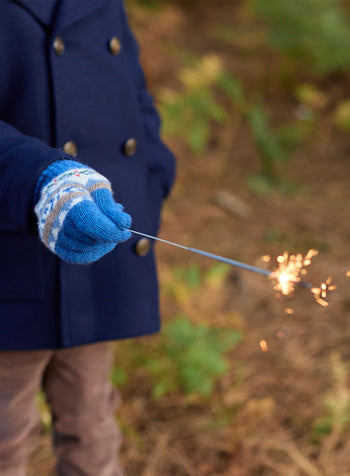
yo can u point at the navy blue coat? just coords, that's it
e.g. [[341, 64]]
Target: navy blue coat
[[98, 100]]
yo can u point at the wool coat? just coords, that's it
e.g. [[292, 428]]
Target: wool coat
[[70, 74]]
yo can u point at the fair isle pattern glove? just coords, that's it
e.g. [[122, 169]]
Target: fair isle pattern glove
[[78, 218]]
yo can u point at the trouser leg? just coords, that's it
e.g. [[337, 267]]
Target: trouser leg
[[82, 400], [20, 379]]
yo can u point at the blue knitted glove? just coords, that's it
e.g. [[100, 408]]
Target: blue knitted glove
[[78, 218]]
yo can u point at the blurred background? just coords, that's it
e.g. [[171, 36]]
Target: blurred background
[[255, 101]]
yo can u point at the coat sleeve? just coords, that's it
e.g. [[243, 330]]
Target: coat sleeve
[[162, 157], [22, 159]]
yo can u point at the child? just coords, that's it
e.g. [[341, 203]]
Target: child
[[76, 121]]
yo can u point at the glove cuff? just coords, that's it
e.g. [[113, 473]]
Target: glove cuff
[[53, 170]]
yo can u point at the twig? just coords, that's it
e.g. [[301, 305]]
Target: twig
[[179, 457], [156, 455], [304, 463], [328, 447], [293, 453], [280, 468]]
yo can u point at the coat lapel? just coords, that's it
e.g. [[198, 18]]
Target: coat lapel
[[61, 13], [70, 11], [42, 10]]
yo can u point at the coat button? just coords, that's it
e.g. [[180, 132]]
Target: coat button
[[58, 45], [130, 146], [142, 247], [70, 148], [114, 45]]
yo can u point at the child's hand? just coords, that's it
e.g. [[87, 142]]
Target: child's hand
[[78, 218]]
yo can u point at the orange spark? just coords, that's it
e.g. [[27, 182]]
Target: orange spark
[[263, 345]]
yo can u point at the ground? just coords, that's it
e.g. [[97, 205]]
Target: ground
[[280, 412]]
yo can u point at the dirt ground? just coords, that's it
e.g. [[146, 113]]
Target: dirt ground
[[264, 417]]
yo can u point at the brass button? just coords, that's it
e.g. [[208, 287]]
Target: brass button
[[143, 246], [58, 45], [70, 147], [114, 45], [130, 146]]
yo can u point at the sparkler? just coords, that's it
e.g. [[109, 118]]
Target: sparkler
[[286, 276]]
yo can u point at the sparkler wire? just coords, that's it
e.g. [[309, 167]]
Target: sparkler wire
[[232, 262]]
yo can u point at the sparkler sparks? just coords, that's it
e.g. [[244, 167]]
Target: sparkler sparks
[[321, 293], [289, 270], [287, 276]]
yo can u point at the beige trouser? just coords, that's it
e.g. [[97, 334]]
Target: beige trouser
[[76, 381]]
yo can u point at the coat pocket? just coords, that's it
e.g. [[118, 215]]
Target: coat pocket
[[156, 193], [21, 266], [162, 163]]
